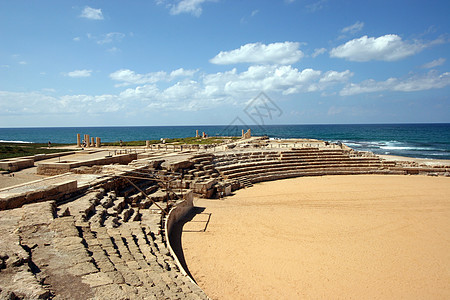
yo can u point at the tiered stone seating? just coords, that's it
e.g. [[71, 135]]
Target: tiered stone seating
[[75, 252], [297, 162]]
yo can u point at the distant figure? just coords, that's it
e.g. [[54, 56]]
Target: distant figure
[[121, 143], [49, 144], [339, 144]]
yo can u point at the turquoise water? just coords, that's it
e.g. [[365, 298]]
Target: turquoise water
[[413, 140]]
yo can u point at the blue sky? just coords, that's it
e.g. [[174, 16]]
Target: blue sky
[[197, 62]]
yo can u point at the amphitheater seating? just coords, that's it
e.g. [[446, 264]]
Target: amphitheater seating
[[272, 165], [97, 246]]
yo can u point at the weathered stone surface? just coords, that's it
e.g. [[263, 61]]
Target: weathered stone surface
[[97, 279]]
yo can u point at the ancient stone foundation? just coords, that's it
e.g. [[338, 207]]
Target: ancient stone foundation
[[101, 230]]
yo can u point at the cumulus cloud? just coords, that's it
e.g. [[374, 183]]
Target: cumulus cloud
[[40, 103], [352, 29], [129, 77], [414, 83], [434, 63], [275, 53], [230, 87], [79, 73], [189, 90], [92, 13], [334, 76], [388, 47]]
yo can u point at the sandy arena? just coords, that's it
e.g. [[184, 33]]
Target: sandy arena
[[330, 237]]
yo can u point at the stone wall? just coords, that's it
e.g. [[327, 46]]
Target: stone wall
[[65, 166], [16, 198]]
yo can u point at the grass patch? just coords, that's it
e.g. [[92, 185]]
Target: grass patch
[[129, 143], [10, 150], [176, 141]]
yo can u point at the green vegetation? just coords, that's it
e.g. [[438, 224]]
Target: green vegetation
[[129, 143], [176, 141], [10, 150]]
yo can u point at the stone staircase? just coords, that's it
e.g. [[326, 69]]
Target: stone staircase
[[95, 247], [245, 182]]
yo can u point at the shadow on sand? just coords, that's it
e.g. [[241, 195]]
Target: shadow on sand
[[177, 230]]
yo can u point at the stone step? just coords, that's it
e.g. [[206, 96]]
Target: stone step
[[296, 167]]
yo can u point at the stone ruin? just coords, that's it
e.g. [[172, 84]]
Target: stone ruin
[[102, 231]]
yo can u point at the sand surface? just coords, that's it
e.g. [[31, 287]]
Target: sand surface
[[331, 237]]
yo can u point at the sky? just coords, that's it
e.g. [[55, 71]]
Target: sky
[[215, 62]]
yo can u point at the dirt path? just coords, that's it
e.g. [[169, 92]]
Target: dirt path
[[330, 237]]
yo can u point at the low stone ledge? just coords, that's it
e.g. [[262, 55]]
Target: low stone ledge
[[65, 166], [16, 164], [54, 191]]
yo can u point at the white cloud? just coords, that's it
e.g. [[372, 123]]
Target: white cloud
[[40, 103], [110, 37], [318, 52], [187, 90], [317, 5], [92, 13], [230, 87], [333, 76], [22, 62], [193, 7], [129, 77], [415, 83], [182, 73], [79, 73], [388, 47], [113, 50], [435, 63], [255, 12], [76, 39], [277, 53], [352, 29]]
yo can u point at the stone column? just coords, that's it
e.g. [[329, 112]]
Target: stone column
[[92, 142], [147, 144], [78, 140], [98, 142], [204, 135], [196, 133], [243, 136], [86, 139]]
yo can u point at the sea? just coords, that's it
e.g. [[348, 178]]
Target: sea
[[412, 140]]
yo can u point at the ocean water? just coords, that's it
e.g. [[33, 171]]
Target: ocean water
[[413, 140]]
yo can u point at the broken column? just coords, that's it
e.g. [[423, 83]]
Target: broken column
[[147, 144], [86, 140], [92, 142], [78, 140], [196, 133], [98, 142]]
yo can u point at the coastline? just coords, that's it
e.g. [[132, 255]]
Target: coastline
[[425, 140], [426, 161]]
